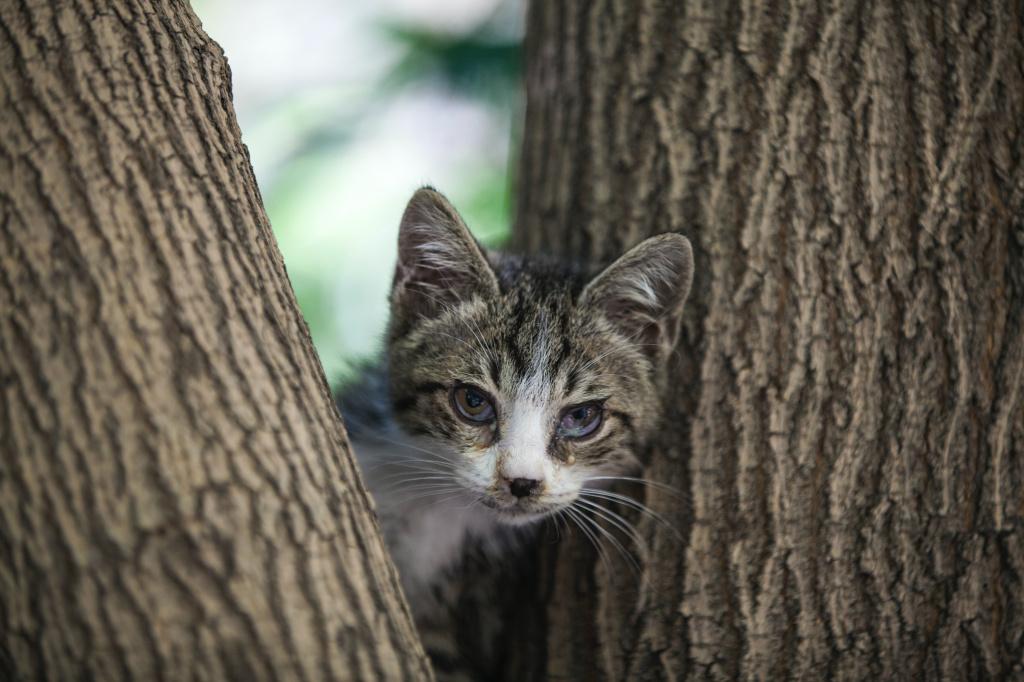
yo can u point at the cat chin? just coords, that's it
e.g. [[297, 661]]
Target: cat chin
[[514, 516]]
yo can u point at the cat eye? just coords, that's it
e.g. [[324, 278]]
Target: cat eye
[[472, 404], [580, 421]]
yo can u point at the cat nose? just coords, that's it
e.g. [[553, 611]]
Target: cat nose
[[523, 487]]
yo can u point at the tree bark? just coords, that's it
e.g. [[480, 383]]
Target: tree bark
[[177, 496], [848, 413]]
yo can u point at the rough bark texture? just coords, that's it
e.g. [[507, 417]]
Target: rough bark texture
[[849, 414], [177, 499]]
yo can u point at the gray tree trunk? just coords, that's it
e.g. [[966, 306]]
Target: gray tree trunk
[[177, 496], [848, 413]]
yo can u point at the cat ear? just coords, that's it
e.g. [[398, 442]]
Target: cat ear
[[439, 261], [643, 292]]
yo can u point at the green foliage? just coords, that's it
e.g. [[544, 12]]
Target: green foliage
[[479, 64], [335, 227]]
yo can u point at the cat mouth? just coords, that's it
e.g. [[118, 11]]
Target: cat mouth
[[519, 511]]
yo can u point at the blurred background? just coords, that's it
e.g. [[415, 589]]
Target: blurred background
[[347, 107]]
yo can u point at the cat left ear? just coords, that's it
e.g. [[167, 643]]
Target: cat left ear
[[643, 292], [439, 261]]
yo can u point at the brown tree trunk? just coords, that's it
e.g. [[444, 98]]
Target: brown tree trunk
[[177, 497], [848, 417]]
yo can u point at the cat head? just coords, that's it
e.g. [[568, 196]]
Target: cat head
[[532, 377]]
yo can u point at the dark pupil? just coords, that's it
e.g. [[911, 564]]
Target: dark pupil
[[473, 399], [580, 414]]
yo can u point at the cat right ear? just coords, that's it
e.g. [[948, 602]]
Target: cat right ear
[[439, 262], [643, 292]]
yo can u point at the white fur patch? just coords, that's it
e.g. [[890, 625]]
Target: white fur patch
[[524, 443], [640, 283], [523, 447], [437, 254]]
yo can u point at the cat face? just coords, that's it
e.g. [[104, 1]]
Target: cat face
[[527, 379]]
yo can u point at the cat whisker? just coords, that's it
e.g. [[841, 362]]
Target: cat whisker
[[385, 476], [376, 435], [642, 481], [408, 471], [621, 524], [396, 468], [413, 457], [556, 521], [451, 497], [452, 491], [480, 353], [605, 533], [582, 522], [411, 446], [410, 485], [472, 503], [390, 468], [416, 473], [474, 329], [593, 361], [634, 504], [418, 487]]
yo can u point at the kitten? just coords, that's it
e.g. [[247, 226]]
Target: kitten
[[510, 386]]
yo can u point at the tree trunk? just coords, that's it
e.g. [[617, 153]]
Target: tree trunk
[[177, 496], [847, 416]]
